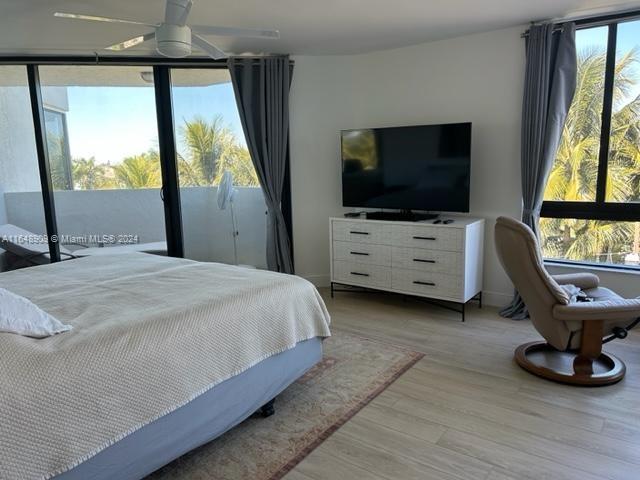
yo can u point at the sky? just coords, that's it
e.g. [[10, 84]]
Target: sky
[[628, 37], [125, 117]]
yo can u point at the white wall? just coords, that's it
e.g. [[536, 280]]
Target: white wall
[[322, 103], [476, 78], [18, 157], [56, 98], [19, 161]]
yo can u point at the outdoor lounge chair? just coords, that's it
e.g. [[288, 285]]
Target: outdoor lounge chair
[[27, 248]]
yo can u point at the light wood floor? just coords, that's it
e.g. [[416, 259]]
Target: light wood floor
[[466, 411]]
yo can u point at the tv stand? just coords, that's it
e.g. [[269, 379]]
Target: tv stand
[[402, 216], [441, 262]]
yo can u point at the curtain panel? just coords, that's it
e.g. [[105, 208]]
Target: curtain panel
[[261, 87], [549, 86]]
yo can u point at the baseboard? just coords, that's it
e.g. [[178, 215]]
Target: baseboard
[[496, 299], [317, 280]]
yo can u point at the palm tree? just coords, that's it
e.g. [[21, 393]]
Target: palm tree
[[238, 161], [139, 171], [212, 148], [574, 173], [89, 175], [187, 174], [207, 144], [60, 175]]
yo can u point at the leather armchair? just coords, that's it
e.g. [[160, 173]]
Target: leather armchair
[[573, 330]]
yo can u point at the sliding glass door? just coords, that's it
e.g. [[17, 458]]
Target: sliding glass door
[[223, 209], [23, 240], [147, 158], [102, 140]]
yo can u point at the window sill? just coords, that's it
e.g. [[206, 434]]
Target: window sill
[[592, 266]]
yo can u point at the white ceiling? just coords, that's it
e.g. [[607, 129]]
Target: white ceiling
[[306, 26]]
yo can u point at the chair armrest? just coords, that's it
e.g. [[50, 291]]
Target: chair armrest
[[581, 280], [621, 309]]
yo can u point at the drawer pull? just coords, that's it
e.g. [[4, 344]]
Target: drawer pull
[[423, 261], [422, 238], [358, 253], [355, 232], [430, 284], [360, 274]]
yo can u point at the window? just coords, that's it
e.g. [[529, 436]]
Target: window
[[102, 140], [121, 151], [209, 144], [591, 211]]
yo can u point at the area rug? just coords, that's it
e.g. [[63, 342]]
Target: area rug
[[353, 372]]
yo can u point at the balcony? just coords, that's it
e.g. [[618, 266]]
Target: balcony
[[102, 139], [208, 230]]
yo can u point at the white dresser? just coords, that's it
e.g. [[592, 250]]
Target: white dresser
[[436, 261]]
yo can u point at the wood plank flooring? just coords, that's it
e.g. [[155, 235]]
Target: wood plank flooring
[[466, 411]]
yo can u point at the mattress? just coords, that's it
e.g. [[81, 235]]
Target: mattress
[[150, 334], [201, 420]]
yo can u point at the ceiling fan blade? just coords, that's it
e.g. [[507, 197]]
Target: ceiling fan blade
[[132, 42], [235, 32], [213, 51], [94, 18], [187, 9], [177, 11]]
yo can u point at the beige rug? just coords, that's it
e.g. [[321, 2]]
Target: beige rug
[[354, 371]]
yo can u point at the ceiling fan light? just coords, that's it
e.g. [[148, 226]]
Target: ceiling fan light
[[173, 41], [173, 49]]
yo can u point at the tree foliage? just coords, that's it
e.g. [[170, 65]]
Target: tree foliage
[[210, 149], [89, 175]]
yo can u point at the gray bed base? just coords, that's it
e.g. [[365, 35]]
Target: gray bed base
[[201, 420]]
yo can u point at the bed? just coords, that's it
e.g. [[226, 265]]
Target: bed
[[165, 355]]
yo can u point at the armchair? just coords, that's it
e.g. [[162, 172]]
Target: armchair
[[574, 330]]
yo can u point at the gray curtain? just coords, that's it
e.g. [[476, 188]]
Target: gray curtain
[[549, 85], [261, 87]]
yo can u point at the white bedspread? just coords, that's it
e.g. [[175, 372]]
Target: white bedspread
[[149, 334]]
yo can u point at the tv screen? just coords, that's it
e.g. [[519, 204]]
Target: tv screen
[[424, 167]]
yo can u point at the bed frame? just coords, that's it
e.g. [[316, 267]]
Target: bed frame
[[201, 420]]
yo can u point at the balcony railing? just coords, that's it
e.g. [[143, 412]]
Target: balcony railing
[[208, 231]]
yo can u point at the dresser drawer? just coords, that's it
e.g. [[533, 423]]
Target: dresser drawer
[[426, 260], [427, 283], [362, 253], [431, 237], [362, 232], [362, 274]]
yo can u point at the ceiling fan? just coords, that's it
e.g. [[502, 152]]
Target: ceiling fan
[[173, 37]]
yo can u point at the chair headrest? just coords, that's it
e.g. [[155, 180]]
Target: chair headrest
[[519, 253], [520, 227]]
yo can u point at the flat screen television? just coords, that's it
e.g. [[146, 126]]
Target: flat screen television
[[423, 167]]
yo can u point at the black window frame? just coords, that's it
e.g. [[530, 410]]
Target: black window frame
[[600, 209], [164, 111]]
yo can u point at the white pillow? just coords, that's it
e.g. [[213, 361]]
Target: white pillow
[[20, 315]]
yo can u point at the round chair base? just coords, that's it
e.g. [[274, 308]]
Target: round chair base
[[543, 360]]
